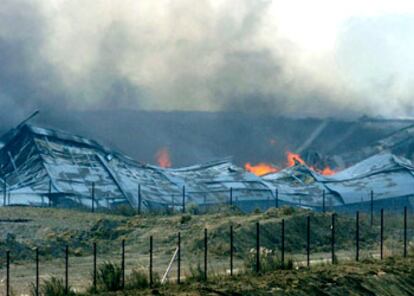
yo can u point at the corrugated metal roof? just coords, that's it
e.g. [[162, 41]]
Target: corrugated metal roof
[[32, 157], [387, 175], [73, 164]]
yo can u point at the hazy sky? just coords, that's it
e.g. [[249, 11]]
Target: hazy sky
[[288, 57]]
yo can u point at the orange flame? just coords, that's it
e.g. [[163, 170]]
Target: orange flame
[[260, 169], [163, 158], [327, 171], [293, 158]]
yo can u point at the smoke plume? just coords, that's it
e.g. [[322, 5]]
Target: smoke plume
[[185, 55], [83, 63]]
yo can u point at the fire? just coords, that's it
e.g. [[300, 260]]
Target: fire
[[327, 171], [163, 158], [260, 169], [293, 158]]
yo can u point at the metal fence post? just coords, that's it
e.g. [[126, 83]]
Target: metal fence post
[[308, 242], [205, 254], [93, 197], [37, 272], [268, 202], [405, 231], [333, 239], [257, 247], [179, 259], [123, 264], [139, 199], [277, 198], [66, 270], [150, 262], [231, 250], [49, 193], [8, 273], [94, 266], [183, 199], [382, 234], [283, 242], [4, 191], [372, 207], [357, 236], [323, 201]]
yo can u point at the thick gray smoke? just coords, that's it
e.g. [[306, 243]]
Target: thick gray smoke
[[221, 55], [27, 80], [31, 78], [184, 55]]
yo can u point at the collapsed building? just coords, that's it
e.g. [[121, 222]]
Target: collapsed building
[[45, 167], [42, 167], [382, 180]]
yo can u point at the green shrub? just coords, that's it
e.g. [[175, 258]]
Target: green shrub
[[192, 208], [288, 211], [124, 210], [269, 261], [138, 279], [196, 274], [288, 264], [52, 287], [109, 277], [273, 213], [185, 219]]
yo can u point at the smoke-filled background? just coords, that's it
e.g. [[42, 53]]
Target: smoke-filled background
[[83, 62]]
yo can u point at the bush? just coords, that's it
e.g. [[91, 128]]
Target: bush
[[288, 264], [185, 219], [224, 209], [109, 277], [52, 287], [138, 279], [288, 211], [124, 210], [281, 212], [193, 209], [269, 261], [196, 274], [273, 213]]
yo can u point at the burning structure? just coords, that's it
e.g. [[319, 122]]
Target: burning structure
[[385, 178], [44, 167]]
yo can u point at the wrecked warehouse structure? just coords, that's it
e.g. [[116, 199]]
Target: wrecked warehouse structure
[[42, 167], [386, 178], [45, 167]]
